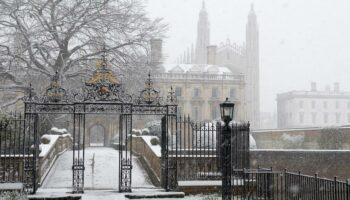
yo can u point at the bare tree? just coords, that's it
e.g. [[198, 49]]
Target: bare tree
[[40, 37]]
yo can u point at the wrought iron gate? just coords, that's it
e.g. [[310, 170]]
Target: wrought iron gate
[[78, 167], [102, 94], [169, 152], [125, 156]]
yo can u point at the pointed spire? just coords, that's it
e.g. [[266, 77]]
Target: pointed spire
[[192, 55], [203, 36], [252, 11], [188, 56]]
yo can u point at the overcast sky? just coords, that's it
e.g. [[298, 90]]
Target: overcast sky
[[300, 40]]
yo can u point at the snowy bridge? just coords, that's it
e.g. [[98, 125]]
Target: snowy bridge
[[101, 178], [101, 171]]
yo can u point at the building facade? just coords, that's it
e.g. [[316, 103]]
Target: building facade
[[240, 60], [200, 89], [313, 108]]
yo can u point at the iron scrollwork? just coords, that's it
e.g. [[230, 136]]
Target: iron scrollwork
[[55, 92], [125, 184], [149, 95], [78, 175], [171, 97], [104, 86]]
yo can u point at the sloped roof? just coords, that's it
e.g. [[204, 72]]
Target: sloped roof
[[196, 68]]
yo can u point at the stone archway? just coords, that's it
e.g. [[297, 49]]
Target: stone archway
[[97, 135], [109, 125]]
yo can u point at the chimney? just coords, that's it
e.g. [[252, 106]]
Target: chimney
[[336, 87], [211, 55], [313, 87], [156, 52]]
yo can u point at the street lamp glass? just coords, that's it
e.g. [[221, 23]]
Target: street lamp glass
[[227, 110]]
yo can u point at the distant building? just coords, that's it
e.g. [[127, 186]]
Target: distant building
[[268, 120], [201, 88], [313, 108], [215, 72]]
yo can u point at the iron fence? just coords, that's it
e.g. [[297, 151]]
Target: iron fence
[[12, 148], [198, 148], [266, 184]]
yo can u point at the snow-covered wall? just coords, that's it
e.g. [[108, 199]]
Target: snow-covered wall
[[151, 154], [56, 144], [326, 163], [308, 138]]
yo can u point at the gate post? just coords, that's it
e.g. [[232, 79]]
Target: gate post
[[168, 178], [31, 149], [226, 167], [164, 158], [78, 167], [125, 155]]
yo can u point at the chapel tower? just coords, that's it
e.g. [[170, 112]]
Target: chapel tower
[[203, 36], [252, 69]]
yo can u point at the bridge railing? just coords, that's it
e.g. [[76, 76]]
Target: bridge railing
[[51, 151]]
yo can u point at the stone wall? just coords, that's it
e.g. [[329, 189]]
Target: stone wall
[[62, 144], [141, 148], [295, 138], [326, 163]]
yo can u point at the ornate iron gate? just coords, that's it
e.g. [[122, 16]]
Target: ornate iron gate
[[102, 94], [125, 156], [169, 149]]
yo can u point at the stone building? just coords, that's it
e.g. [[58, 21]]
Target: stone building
[[201, 88], [313, 108], [203, 77]]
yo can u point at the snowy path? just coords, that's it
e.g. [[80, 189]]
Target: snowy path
[[105, 171]]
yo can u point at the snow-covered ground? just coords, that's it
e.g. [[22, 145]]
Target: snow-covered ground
[[104, 183], [105, 174], [115, 195]]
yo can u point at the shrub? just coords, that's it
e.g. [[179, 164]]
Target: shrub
[[45, 140], [136, 132], [145, 131], [12, 196], [154, 141]]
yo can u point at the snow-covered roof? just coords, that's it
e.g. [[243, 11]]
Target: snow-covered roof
[[59, 130], [196, 68]]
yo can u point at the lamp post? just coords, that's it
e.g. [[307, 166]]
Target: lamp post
[[227, 110]]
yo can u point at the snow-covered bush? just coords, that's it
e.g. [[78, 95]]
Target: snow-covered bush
[[45, 139], [136, 132], [205, 136], [293, 141], [252, 142], [12, 196], [155, 141], [58, 131], [145, 131], [154, 128]]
